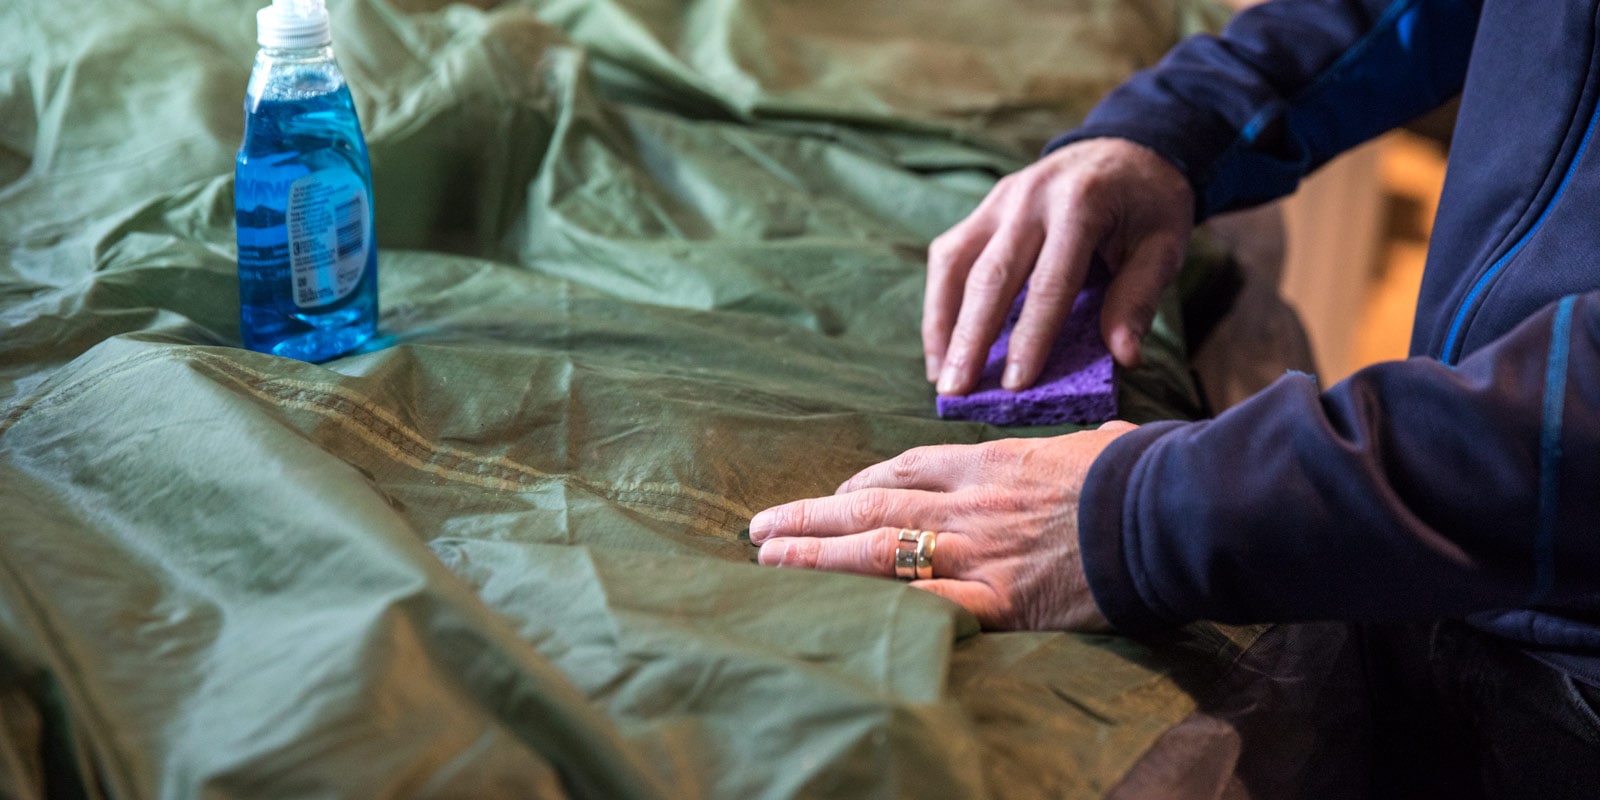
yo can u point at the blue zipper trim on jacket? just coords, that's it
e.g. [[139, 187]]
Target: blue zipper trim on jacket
[[1216, 193], [1355, 52], [1449, 353], [1555, 396]]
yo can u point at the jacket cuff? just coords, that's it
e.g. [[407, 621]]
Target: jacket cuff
[[1107, 528]]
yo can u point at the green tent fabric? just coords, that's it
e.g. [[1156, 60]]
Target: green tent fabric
[[646, 269]]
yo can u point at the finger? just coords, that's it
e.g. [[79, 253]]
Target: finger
[[980, 599], [1135, 292], [870, 553], [938, 468], [996, 277], [1057, 278], [950, 259], [855, 512]]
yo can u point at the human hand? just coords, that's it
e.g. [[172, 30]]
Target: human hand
[[1109, 196], [1006, 513]]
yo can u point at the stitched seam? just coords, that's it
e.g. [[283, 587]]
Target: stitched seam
[[381, 430], [44, 396], [1555, 393], [385, 434]]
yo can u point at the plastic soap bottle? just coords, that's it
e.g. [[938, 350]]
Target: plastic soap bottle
[[308, 265]]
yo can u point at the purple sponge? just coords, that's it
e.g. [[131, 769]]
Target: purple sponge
[[1076, 385]]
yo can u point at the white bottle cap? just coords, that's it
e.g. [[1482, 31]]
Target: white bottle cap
[[294, 24]]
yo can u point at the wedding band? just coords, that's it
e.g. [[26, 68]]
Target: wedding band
[[913, 554], [905, 558], [925, 543]]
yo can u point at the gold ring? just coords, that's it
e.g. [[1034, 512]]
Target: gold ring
[[905, 558], [925, 543]]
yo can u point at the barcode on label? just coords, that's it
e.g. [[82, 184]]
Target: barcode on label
[[352, 226]]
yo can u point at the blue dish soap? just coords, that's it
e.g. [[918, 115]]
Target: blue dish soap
[[308, 264]]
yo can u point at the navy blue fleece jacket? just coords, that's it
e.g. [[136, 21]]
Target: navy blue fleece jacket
[[1462, 482]]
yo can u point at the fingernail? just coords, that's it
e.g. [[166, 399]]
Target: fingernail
[[772, 554], [1126, 343], [931, 366], [1013, 377], [947, 381], [761, 527]]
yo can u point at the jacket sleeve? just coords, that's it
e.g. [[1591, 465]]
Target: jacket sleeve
[[1288, 85], [1409, 490]]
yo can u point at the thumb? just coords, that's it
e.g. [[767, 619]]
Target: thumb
[[1134, 294], [978, 598]]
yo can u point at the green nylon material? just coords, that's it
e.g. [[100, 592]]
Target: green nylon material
[[647, 268]]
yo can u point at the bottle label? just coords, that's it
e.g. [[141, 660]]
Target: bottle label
[[328, 243]]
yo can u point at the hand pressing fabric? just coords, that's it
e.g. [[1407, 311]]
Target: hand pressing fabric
[[1004, 517]]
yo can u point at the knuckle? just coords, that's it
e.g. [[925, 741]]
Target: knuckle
[[792, 516], [1076, 185], [908, 465], [990, 277], [802, 553], [943, 248], [868, 506], [997, 454], [957, 358], [1025, 342], [1026, 181], [1047, 294], [1094, 181]]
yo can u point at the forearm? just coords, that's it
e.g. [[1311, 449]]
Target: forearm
[[1409, 490], [1287, 86]]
